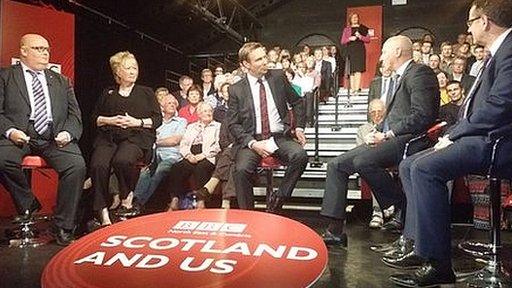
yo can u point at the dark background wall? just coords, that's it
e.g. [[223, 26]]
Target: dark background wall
[[96, 41]]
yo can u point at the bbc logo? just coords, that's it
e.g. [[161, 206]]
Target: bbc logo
[[210, 226]]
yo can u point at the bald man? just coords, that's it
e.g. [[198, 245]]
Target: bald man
[[39, 115], [412, 108]]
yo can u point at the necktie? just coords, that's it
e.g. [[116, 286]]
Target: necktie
[[464, 110], [265, 124], [391, 90], [40, 109]]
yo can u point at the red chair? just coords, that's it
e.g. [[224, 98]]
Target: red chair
[[26, 234], [268, 164]]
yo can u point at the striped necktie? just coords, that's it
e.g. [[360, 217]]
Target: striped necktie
[[40, 108]]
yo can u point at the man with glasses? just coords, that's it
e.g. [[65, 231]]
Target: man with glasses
[[39, 115], [486, 115]]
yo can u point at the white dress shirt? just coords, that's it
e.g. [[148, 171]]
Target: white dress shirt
[[28, 83], [276, 125]]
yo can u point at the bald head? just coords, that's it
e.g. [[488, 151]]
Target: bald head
[[34, 51], [396, 51]]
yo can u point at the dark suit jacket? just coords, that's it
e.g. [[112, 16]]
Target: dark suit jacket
[[466, 82], [490, 112], [326, 75], [241, 115], [15, 104], [375, 89], [415, 105]]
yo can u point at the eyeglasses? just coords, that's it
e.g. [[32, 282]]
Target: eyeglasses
[[470, 21], [40, 49]]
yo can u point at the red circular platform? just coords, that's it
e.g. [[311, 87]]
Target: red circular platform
[[193, 248]]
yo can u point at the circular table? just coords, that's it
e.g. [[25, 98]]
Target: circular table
[[193, 248]]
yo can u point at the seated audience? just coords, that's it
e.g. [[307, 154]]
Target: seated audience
[[185, 82], [442, 79], [376, 111], [434, 61], [459, 73], [446, 57], [479, 61], [207, 78], [166, 154], [194, 97], [450, 111], [126, 117], [198, 147]]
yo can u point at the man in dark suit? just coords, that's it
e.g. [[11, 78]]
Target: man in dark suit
[[258, 119], [325, 69], [39, 115], [380, 87], [459, 73], [412, 109], [485, 115]]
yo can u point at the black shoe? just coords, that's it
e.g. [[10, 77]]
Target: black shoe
[[26, 215], [335, 240], [406, 247], [63, 237], [385, 247], [135, 210], [202, 194], [429, 275], [406, 262], [275, 203], [394, 225]]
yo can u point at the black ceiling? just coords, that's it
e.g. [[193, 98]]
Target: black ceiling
[[177, 22]]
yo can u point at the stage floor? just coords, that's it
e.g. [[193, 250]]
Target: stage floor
[[355, 267]]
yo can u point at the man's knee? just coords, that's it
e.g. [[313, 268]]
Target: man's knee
[[299, 157], [123, 162]]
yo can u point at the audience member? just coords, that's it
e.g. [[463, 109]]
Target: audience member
[[449, 112], [325, 69], [479, 61], [446, 57], [459, 73], [426, 51], [219, 112], [198, 147], [166, 154], [194, 97], [207, 78], [184, 82], [433, 63], [442, 79]]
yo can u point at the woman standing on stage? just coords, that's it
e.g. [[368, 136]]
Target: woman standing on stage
[[354, 36]]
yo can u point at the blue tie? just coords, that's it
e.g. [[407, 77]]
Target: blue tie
[[40, 110]]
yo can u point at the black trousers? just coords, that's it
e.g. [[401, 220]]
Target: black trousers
[[290, 153], [67, 161], [371, 164], [122, 157]]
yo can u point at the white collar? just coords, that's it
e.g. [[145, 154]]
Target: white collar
[[497, 43], [400, 71], [25, 68], [254, 80]]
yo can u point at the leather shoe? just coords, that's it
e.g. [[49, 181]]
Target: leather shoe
[[202, 194], [331, 239], [275, 203], [429, 275], [394, 225], [27, 213], [406, 262], [63, 237], [406, 247], [385, 247]]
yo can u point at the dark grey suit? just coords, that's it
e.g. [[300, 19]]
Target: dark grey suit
[[411, 111], [241, 119], [67, 161]]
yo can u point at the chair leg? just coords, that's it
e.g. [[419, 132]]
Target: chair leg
[[269, 181], [493, 274]]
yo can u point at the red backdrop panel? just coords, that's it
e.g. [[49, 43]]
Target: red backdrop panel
[[58, 27], [371, 17]]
